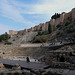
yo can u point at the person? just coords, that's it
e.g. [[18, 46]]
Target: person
[[28, 59], [35, 60], [62, 59], [60, 42]]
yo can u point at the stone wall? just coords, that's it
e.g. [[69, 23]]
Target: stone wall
[[12, 32], [67, 17], [55, 22], [46, 26], [52, 22], [73, 14]]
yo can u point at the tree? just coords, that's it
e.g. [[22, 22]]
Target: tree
[[55, 16], [67, 23], [49, 28], [4, 37]]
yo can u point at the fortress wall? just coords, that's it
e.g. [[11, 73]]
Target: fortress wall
[[26, 30], [73, 14], [20, 31], [60, 20], [12, 32], [43, 27], [32, 28], [52, 22], [35, 28], [55, 22], [46, 26], [68, 17], [40, 26], [62, 17], [29, 29]]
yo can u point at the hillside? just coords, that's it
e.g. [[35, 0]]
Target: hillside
[[22, 37], [63, 32]]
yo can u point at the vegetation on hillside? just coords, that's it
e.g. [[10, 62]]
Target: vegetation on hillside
[[4, 37], [39, 39], [7, 43], [58, 26], [70, 30], [67, 23], [55, 16], [42, 33], [63, 31]]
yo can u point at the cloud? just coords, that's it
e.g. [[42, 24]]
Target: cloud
[[51, 6], [15, 9], [46, 7], [10, 11]]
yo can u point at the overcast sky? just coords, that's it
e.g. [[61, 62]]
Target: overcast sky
[[21, 14]]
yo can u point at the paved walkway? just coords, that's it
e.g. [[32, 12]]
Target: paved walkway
[[46, 44], [41, 45], [23, 64]]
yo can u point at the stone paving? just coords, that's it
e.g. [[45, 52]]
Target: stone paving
[[24, 64]]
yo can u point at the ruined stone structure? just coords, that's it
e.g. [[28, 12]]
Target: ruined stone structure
[[12, 32], [73, 14], [64, 17]]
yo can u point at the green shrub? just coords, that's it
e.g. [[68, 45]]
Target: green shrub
[[39, 33], [39, 39], [42, 33], [67, 23], [7, 43], [13, 39], [58, 26], [4, 37], [45, 32], [35, 30], [70, 30], [58, 33]]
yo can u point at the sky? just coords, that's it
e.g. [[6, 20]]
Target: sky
[[23, 14]]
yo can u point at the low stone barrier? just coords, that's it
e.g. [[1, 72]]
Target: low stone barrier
[[16, 72], [62, 65]]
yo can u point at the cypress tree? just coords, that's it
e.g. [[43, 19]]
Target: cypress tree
[[49, 28]]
